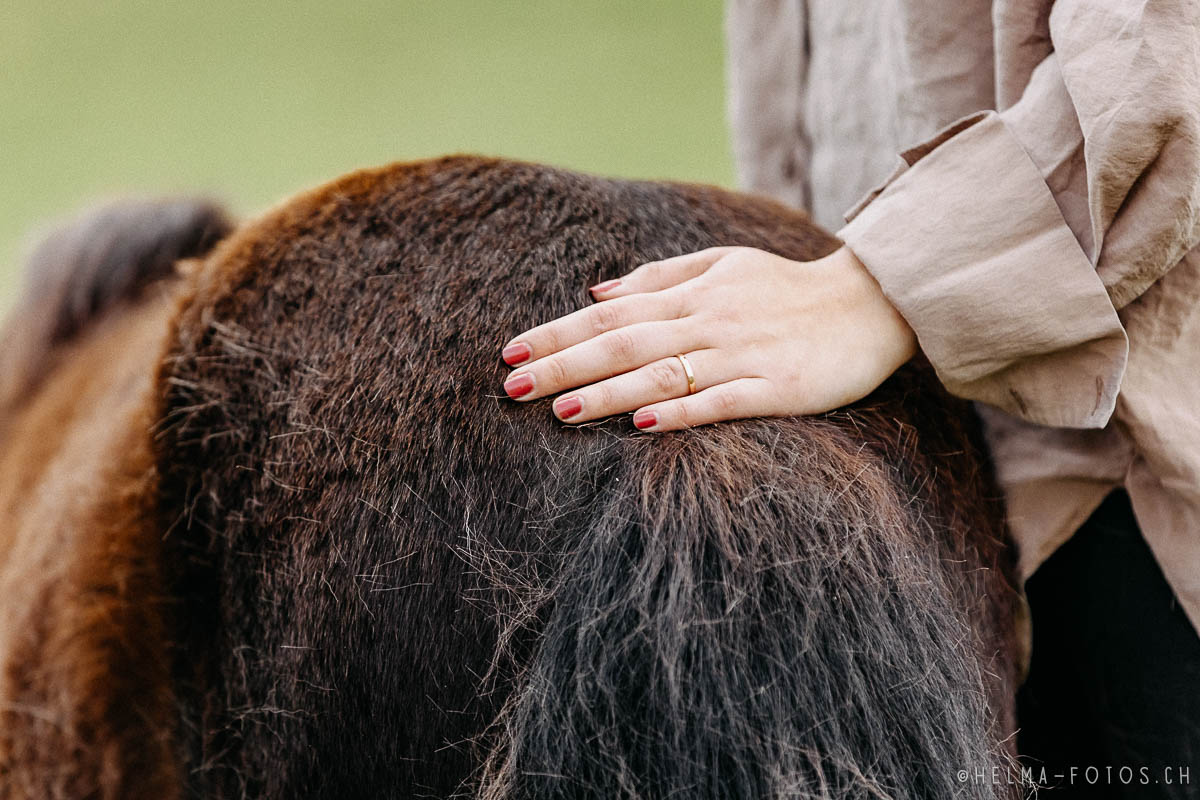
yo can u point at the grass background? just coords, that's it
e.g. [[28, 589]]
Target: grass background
[[249, 102]]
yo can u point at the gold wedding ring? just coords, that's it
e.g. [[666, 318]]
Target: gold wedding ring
[[687, 370]]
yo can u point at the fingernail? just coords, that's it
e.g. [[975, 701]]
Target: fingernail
[[567, 407], [519, 385], [607, 286], [645, 419], [516, 354]]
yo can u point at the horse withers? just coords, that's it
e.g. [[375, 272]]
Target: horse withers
[[268, 527]]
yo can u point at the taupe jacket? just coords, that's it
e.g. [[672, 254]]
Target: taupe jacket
[[1038, 230]]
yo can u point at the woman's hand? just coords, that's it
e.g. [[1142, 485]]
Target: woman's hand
[[765, 336]]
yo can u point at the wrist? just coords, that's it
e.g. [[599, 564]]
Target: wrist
[[894, 339]]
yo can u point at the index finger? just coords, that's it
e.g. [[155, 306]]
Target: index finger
[[586, 323]]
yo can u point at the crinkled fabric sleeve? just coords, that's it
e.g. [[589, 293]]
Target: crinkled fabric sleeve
[[1010, 239]]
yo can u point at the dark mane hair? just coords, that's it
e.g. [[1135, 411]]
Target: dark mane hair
[[90, 264], [387, 581]]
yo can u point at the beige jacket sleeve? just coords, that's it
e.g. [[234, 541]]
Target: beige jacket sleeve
[[1009, 240]]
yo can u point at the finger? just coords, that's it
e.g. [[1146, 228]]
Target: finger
[[658, 275], [661, 380], [586, 323], [602, 357], [736, 399]]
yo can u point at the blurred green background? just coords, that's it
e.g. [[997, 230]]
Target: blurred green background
[[249, 102]]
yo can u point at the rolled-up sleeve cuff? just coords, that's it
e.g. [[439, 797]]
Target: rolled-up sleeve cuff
[[967, 242]]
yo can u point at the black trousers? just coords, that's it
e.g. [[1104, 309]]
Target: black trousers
[[1114, 680]]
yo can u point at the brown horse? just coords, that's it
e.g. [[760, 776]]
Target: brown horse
[[268, 529]]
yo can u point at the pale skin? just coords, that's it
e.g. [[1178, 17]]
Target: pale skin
[[765, 336]]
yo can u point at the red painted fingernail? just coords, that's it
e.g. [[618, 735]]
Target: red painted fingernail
[[519, 385], [645, 419], [607, 286], [516, 354], [567, 407]]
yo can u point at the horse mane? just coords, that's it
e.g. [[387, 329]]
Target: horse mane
[[98, 260]]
